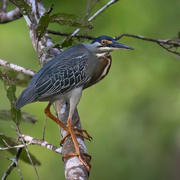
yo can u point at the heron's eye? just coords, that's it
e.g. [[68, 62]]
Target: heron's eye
[[103, 42]]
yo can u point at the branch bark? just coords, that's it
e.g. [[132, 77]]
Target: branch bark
[[6, 17], [33, 141], [171, 45], [17, 68]]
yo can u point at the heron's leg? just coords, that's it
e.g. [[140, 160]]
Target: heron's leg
[[77, 132], [81, 157], [49, 114]]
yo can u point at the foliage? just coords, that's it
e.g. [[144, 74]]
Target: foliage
[[61, 19], [10, 88], [23, 6]]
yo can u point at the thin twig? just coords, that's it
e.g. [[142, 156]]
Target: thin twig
[[89, 9], [33, 141], [15, 147], [5, 157], [166, 41], [13, 164], [170, 43], [44, 129], [96, 14], [4, 6], [68, 34], [17, 68], [23, 142]]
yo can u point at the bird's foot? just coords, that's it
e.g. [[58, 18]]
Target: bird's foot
[[84, 158], [77, 132]]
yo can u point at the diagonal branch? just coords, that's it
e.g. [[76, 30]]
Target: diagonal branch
[[96, 14]]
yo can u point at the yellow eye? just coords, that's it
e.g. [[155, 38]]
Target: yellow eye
[[103, 42]]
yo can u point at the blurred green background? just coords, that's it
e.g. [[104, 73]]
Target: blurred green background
[[133, 115]]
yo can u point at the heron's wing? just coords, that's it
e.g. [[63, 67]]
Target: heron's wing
[[62, 78]]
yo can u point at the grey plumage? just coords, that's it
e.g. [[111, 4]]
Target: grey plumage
[[59, 76]]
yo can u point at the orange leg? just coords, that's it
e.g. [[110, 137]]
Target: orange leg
[[73, 132], [76, 145], [88, 137], [57, 121], [49, 114]]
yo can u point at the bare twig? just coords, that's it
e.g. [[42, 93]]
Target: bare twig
[[5, 157], [14, 147], [13, 164], [4, 6], [23, 142], [10, 16], [90, 6], [68, 34], [166, 41], [167, 44], [31, 141], [96, 14], [44, 129], [40, 142], [17, 68]]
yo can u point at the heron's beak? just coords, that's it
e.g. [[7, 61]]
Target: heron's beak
[[116, 45]]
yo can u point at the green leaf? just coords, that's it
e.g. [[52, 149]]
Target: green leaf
[[43, 24], [70, 20], [23, 6], [25, 117], [61, 19], [11, 89], [23, 155]]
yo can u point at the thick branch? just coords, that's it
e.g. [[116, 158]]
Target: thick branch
[[10, 16]]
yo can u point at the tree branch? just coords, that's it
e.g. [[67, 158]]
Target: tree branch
[[17, 68], [167, 44], [96, 14], [33, 141], [10, 16], [4, 5], [13, 164], [69, 34]]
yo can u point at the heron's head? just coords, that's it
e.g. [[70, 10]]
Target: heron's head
[[104, 45]]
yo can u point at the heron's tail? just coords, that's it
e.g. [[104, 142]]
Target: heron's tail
[[26, 97]]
